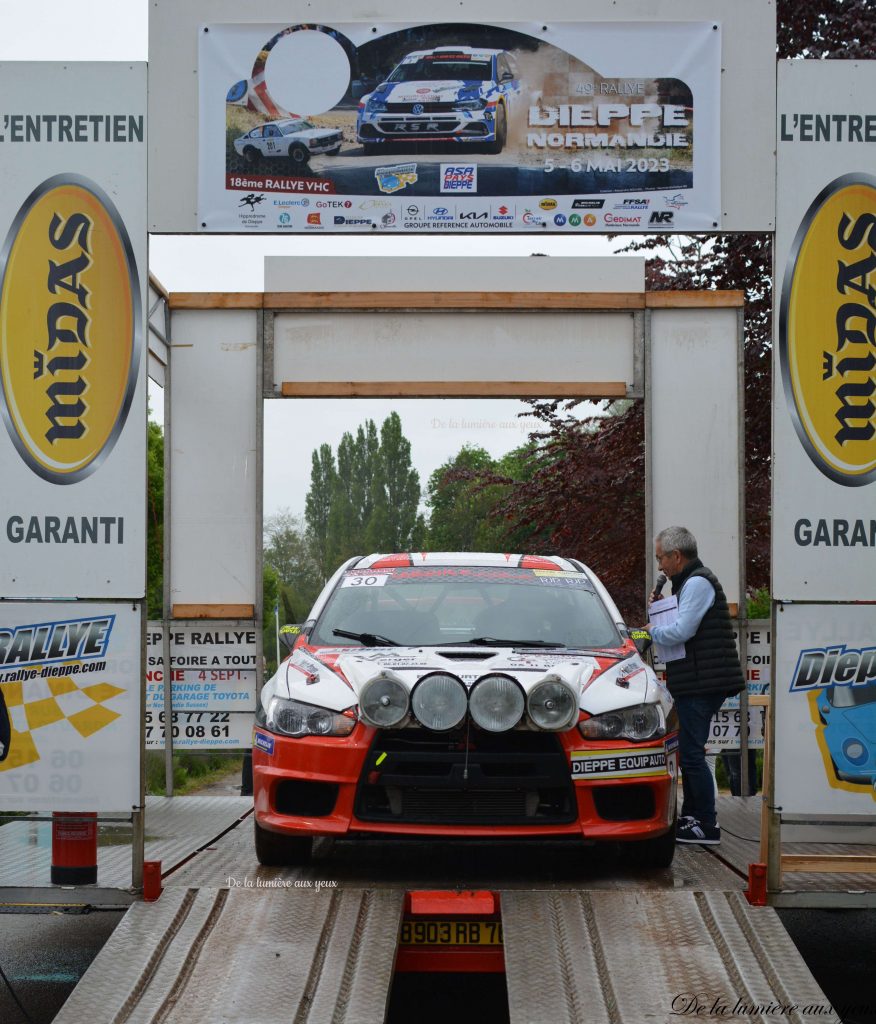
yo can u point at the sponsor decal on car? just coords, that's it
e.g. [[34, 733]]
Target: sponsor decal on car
[[394, 179], [827, 331], [71, 337], [263, 741], [459, 178], [619, 764]]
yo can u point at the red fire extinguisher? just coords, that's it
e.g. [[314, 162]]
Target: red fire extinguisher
[[74, 848]]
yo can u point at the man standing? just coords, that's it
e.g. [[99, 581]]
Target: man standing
[[699, 682]]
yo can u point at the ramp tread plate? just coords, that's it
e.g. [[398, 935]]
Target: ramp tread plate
[[219, 956], [617, 957]]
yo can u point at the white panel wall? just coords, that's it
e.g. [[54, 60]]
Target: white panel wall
[[214, 476], [443, 273], [694, 440], [748, 81], [485, 346]]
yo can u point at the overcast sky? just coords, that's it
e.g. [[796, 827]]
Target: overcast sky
[[55, 30]]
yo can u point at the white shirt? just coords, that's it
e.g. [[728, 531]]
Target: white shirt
[[697, 597]]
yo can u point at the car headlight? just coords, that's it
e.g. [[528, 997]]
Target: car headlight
[[384, 701], [496, 703], [294, 718], [552, 705], [439, 701], [376, 106], [642, 722], [470, 104], [855, 751]]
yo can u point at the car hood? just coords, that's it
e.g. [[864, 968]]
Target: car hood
[[311, 133], [430, 92], [333, 677]]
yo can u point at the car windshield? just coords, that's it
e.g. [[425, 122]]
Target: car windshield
[[439, 68], [851, 696], [296, 126], [438, 605]]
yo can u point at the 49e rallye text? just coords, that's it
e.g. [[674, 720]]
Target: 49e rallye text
[[453, 695]]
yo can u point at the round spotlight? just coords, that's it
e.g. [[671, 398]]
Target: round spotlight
[[552, 705], [383, 701], [855, 751], [496, 703], [439, 701]]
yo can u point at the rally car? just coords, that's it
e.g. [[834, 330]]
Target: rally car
[[291, 137], [450, 94], [848, 714], [464, 695]]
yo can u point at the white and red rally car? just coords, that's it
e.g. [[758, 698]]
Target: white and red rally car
[[452, 695]]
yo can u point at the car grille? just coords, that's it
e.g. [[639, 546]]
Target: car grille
[[514, 778], [427, 108]]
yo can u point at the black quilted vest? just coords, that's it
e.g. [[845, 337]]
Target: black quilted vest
[[711, 662]]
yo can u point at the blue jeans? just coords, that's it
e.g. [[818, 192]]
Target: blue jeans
[[698, 787]]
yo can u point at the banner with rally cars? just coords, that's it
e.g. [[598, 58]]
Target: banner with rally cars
[[575, 127], [213, 685], [69, 705]]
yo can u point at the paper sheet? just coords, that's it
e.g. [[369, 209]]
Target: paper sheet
[[663, 613]]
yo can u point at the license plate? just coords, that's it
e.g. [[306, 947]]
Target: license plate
[[451, 933]]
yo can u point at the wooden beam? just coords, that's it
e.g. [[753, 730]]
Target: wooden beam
[[852, 864], [213, 611], [441, 301], [216, 300], [694, 300], [452, 389]]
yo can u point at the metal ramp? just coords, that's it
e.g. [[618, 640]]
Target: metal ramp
[[637, 957], [239, 956]]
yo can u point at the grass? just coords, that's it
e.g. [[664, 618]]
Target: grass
[[191, 771]]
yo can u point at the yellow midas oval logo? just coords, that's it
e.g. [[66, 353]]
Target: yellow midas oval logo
[[548, 204], [69, 328], [827, 331]]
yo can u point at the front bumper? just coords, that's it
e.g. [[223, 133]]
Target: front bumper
[[454, 125], [511, 785]]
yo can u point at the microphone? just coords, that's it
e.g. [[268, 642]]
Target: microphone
[[659, 584]]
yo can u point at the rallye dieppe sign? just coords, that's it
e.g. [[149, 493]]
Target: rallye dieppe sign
[[579, 127]]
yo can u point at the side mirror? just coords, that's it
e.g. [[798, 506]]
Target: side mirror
[[642, 639], [289, 634]]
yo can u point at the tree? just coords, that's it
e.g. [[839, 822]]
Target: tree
[[366, 498], [288, 553], [154, 521], [317, 506]]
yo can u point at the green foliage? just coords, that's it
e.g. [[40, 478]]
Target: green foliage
[[464, 494], [365, 498], [191, 770], [154, 520], [759, 604]]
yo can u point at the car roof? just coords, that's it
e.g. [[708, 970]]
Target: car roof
[[517, 561]]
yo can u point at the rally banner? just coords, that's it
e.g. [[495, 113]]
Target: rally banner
[[583, 127], [213, 685], [69, 706], [825, 708]]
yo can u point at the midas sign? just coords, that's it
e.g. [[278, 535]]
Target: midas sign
[[70, 331], [827, 331]]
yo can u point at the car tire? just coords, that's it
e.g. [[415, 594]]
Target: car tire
[[654, 853], [498, 143], [299, 155], [276, 851], [251, 155]]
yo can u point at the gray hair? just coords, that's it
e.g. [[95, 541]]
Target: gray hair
[[678, 538]]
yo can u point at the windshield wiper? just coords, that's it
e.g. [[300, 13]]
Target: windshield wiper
[[492, 641], [369, 639]]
